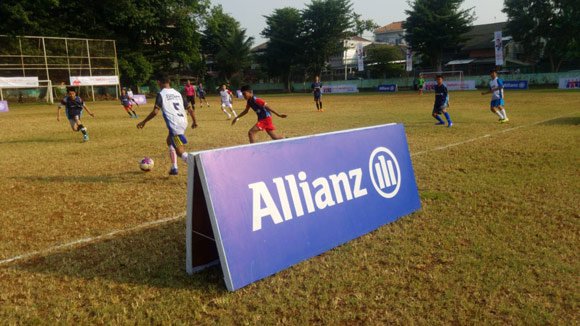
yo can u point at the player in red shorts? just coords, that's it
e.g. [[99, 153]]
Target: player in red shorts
[[264, 115]]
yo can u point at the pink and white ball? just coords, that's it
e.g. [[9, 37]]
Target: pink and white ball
[[146, 164]]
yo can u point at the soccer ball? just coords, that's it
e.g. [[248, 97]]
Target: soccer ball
[[146, 164]]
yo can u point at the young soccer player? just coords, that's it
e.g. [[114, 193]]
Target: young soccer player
[[173, 106], [421, 84], [264, 115], [130, 95], [441, 102], [74, 106], [127, 103], [497, 99], [190, 95], [227, 101], [317, 92], [201, 95]]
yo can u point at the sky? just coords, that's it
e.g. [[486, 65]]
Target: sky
[[250, 13]]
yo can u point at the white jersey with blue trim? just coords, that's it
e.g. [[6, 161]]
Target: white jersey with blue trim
[[497, 94], [173, 106]]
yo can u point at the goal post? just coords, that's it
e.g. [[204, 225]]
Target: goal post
[[455, 75], [21, 93]]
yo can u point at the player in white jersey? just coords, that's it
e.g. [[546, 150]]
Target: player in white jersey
[[173, 107], [497, 98], [227, 101]]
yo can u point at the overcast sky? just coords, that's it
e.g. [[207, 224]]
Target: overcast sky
[[250, 13]]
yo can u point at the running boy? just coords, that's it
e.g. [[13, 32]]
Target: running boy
[[201, 95], [127, 103], [74, 106], [226, 96], [317, 92], [441, 102], [497, 102], [264, 115], [173, 106]]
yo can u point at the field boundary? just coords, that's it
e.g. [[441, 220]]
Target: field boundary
[[151, 224]]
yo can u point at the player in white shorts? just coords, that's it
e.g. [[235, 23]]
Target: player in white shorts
[[173, 107], [227, 101]]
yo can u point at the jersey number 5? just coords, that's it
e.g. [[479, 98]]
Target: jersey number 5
[[176, 106]]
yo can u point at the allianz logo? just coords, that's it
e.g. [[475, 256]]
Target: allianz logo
[[298, 194]]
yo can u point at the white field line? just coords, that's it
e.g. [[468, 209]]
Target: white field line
[[147, 225]]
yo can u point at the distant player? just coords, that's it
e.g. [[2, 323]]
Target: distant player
[[421, 84], [73, 108], [441, 102], [317, 92], [264, 115], [201, 95], [497, 98], [227, 101], [130, 95], [190, 95], [173, 107], [127, 103]]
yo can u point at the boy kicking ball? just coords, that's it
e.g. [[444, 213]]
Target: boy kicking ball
[[173, 106], [74, 107], [497, 102], [264, 115], [441, 102]]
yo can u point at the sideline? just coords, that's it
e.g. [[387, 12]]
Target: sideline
[[151, 224]]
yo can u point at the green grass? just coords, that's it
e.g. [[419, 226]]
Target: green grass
[[495, 242]]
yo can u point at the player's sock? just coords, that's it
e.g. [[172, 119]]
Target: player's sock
[[184, 157], [234, 113], [317, 106], [320, 104], [499, 114], [129, 113], [446, 114], [173, 156], [134, 114], [438, 117], [83, 129], [504, 114]]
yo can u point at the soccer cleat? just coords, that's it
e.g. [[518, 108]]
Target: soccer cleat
[[173, 171], [504, 120], [440, 123], [450, 124], [85, 137]]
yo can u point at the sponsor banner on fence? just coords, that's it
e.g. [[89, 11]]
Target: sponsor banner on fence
[[360, 57], [336, 89], [3, 106], [515, 84], [274, 208], [409, 60], [94, 80], [452, 85], [388, 88], [569, 83], [19, 82], [140, 99]]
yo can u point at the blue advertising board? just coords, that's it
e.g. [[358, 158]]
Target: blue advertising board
[[515, 84], [272, 205], [388, 88]]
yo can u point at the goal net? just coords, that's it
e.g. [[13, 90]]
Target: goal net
[[454, 75], [43, 93]]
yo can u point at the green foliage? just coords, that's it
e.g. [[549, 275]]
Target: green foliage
[[234, 54], [362, 25], [284, 51], [136, 69], [546, 29], [433, 26], [325, 25], [378, 58]]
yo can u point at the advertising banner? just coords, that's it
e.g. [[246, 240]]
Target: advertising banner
[[391, 88], [337, 89], [3, 106], [140, 99], [498, 42], [18, 82], [516, 84], [360, 57], [261, 208], [569, 83], [94, 80], [409, 60], [466, 85]]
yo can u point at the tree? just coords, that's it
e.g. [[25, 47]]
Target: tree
[[433, 26], [379, 58], [234, 54], [362, 25], [547, 29], [284, 50], [325, 25]]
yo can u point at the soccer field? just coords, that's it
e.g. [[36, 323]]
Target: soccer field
[[86, 237]]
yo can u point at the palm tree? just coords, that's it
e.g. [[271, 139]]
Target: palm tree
[[234, 53]]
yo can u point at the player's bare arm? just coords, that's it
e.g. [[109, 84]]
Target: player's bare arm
[[276, 113], [240, 115], [88, 111], [151, 115]]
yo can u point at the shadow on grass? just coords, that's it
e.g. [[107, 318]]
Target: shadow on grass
[[113, 178], [154, 257], [32, 141], [569, 121]]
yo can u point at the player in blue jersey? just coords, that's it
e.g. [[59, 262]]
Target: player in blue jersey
[[317, 92], [127, 103], [441, 102], [264, 115], [173, 106], [497, 97], [73, 107], [201, 95]]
